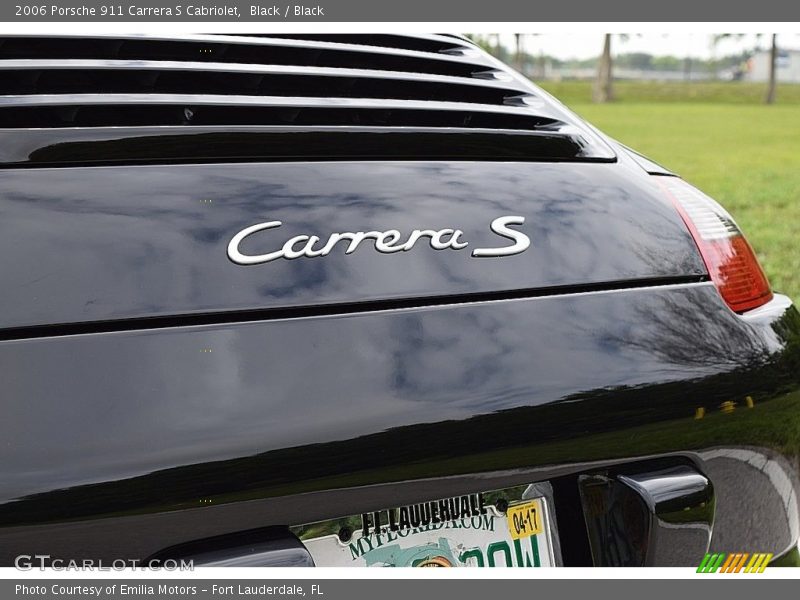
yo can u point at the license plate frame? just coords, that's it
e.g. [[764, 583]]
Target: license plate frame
[[473, 530]]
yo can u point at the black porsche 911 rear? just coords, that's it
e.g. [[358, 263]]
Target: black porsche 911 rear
[[368, 300]]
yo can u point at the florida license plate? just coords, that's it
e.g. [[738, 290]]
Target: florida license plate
[[503, 528]]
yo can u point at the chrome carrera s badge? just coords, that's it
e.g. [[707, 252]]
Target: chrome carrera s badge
[[386, 242]]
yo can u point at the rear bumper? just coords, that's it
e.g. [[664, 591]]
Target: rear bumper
[[123, 444]]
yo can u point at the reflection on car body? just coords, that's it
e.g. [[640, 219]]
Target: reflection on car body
[[290, 303]]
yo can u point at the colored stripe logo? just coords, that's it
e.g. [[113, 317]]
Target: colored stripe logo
[[737, 562]]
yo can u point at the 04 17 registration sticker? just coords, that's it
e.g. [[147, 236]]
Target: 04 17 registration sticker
[[524, 520]]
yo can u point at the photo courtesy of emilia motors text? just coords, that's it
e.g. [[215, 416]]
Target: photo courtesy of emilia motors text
[[297, 298]]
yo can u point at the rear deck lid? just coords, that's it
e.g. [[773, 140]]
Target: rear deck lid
[[148, 181]]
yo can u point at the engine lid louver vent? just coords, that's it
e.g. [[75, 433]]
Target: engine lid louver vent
[[316, 81]]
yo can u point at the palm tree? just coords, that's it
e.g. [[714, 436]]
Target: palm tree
[[687, 68], [603, 90], [773, 60], [518, 54]]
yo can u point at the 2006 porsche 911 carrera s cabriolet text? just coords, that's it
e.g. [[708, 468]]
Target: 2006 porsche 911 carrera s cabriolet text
[[368, 300]]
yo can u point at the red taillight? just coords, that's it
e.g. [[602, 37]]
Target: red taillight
[[730, 260]]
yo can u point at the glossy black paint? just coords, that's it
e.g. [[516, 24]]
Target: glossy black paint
[[96, 244], [74, 147], [158, 398], [247, 49], [140, 427]]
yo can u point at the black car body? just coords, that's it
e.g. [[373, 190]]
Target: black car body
[[181, 376]]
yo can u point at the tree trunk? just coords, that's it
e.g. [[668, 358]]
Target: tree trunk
[[773, 59], [518, 57], [603, 87]]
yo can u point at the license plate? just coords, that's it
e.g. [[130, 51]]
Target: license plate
[[502, 528]]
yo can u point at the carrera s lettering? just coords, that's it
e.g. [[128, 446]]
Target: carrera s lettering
[[385, 242]]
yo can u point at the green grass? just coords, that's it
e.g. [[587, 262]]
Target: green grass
[[737, 92], [742, 153]]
